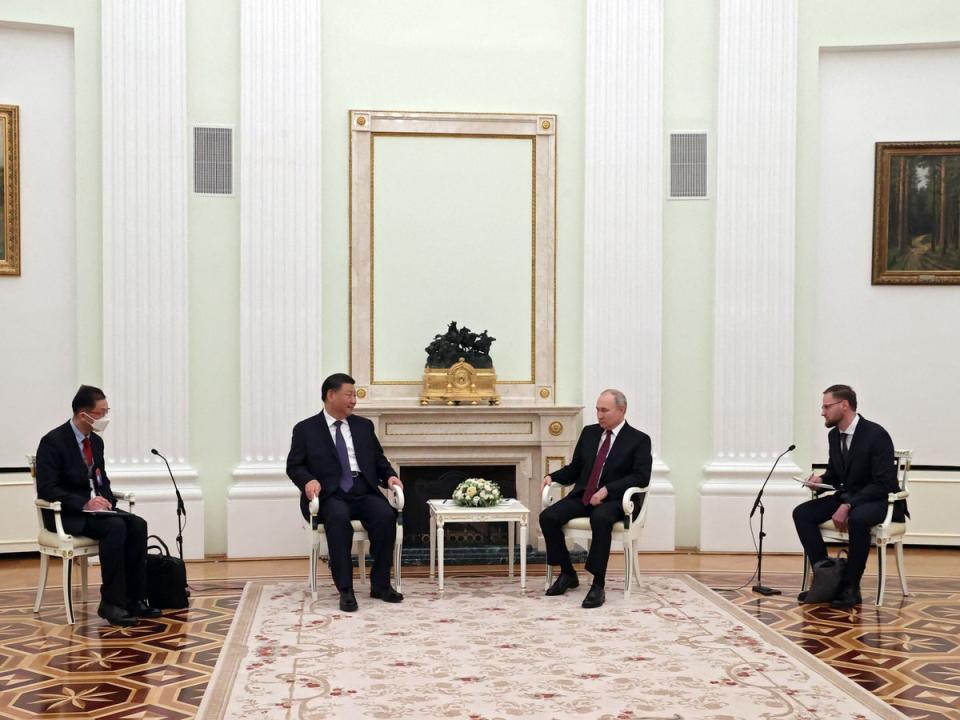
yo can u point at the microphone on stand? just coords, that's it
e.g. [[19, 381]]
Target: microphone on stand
[[758, 503], [181, 508]]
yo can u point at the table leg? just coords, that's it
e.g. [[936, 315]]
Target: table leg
[[523, 554], [440, 534], [433, 542], [511, 530]]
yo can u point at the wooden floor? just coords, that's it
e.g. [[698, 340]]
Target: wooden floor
[[906, 652]]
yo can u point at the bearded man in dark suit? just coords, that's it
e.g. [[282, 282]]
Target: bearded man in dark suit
[[71, 471], [863, 469], [336, 458], [610, 457]]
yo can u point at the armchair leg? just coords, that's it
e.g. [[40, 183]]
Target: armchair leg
[[635, 558], [398, 553], [82, 560], [42, 584], [881, 571], [549, 576], [312, 580], [627, 566], [362, 560], [806, 573], [68, 589], [900, 569]]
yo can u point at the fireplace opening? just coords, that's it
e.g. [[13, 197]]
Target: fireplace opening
[[424, 483]]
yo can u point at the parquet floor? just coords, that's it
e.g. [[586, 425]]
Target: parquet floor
[[906, 652]]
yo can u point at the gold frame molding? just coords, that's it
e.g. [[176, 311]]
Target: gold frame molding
[[10, 200], [540, 129]]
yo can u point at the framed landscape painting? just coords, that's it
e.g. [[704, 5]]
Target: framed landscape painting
[[916, 223], [9, 190]]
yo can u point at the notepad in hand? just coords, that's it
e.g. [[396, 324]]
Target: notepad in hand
[[819, 486]]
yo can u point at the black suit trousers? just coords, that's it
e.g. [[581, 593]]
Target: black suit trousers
[[377, 518], [602, 519], [123, 555], [808, 516]]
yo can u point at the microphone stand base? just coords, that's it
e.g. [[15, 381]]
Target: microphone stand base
[[764, 590]]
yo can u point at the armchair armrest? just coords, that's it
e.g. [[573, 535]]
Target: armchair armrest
[[127, 496], [56, 508], [891, 499], [629, 498], [395, 498], [546, 499]]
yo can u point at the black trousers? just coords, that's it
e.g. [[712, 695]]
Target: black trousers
[[377, 518], [808, 516], [123, 555], [602, 519]]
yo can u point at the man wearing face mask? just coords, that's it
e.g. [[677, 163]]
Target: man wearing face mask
[[71, 471]]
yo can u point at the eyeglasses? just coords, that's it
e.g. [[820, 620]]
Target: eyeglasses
[[830, 405]]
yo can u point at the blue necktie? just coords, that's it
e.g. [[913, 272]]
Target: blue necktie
[[346, 477]]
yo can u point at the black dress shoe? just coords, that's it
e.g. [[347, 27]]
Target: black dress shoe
[[116, 615], [802, 597], [348, 601], [387, 594], [563, 583], [142, 609], [595, 597], [848, 597]]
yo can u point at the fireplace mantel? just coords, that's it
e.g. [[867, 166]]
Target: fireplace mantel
[[535, 439]]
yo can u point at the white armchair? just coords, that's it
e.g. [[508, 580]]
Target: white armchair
[[626, 531], [57, 543], [886, 533], [395, 498]]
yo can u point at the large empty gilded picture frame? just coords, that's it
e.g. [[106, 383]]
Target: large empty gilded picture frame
[[9, 190], [452, 218]]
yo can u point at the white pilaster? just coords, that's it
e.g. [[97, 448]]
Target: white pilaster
[[145, 257], [623, 222], [280, 273], [755, 235]]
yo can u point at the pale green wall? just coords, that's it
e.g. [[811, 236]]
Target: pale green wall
[[690, 99], [213, 97], [459, 56]]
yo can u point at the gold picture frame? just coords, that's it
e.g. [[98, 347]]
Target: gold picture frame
[[916, 222], [9, 190]]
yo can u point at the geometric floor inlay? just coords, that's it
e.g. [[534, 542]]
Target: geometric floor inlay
[[907, 652]]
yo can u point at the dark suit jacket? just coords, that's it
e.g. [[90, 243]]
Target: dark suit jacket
[[870, 470], [62, 476], [628, 464], [313, 456]]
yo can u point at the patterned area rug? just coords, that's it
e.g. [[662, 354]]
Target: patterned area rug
[[482, 649]]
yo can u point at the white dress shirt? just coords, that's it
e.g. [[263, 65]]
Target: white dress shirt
[[347, 438], [851, 429]]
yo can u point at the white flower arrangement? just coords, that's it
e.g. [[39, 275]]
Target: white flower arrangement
[[477, 492]]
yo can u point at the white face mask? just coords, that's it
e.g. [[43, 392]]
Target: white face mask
[[98, 424]]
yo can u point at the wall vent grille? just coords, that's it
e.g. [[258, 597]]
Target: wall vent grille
[[212, 160], [688, 165]]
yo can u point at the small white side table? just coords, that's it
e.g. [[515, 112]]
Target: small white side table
[[446, 511]]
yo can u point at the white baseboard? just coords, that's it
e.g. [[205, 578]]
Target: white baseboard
[[727, 497], [263, 515]]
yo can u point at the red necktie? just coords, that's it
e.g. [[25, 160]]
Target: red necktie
[[87, 453], [594, 480]]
